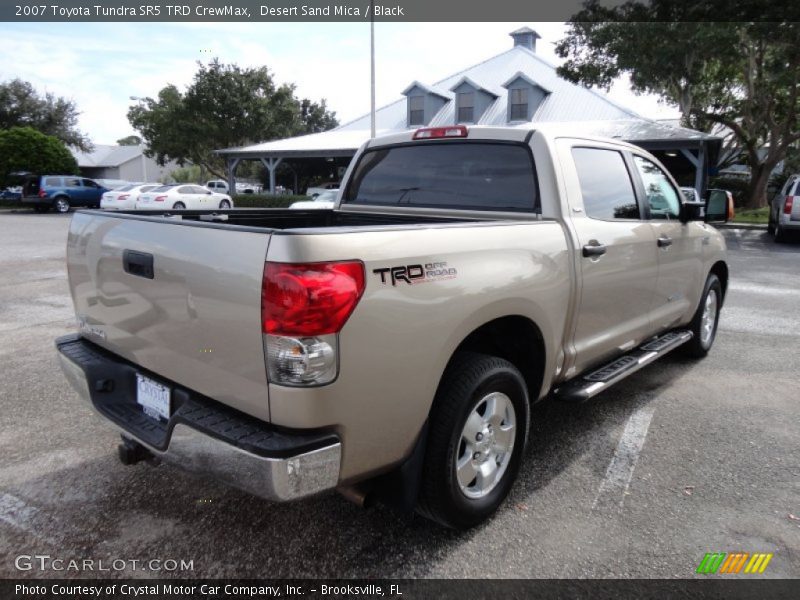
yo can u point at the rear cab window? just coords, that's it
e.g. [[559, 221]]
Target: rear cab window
[[464, 175]]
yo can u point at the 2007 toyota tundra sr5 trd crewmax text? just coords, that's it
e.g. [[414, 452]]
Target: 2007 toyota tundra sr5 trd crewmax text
[[392, 346]]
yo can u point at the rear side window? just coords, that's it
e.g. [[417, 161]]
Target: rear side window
[[606, 185], [52, 182], [459, 175], [72, 182]]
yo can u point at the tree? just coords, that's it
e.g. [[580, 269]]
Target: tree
[[23, 149], [22, 106], [743, 75], [130, 140], [224, 106]]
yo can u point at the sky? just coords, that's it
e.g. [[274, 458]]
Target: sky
[[101, 65]]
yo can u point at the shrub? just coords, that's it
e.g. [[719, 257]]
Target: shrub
[[25, 149], [265, 200]]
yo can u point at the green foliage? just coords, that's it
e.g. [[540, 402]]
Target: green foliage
[[225, 106], [188, 174], [22, 106], [130, 140], [752, 215], [742, 75], [265, 200], [25, 149]]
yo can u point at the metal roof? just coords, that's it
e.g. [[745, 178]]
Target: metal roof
[[566, 102], [107, 155]]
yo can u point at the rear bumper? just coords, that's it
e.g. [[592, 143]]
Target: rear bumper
[[203, 436], [788, 225]]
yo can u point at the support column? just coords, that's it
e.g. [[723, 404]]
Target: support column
[[271, 164], [232, 164], [698, 162]]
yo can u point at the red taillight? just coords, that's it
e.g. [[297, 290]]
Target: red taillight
[[787, 205], [432, 133], [42, 194], [123, 196], [309, 299], [160, 198]]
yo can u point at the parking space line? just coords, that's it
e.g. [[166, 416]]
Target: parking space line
[[620, 469], [20, 515]]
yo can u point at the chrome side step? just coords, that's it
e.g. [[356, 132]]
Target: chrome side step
[[587, 385]]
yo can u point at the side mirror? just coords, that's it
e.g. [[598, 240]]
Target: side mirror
[[718, 206]]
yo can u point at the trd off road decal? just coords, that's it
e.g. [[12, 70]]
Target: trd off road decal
[[419, 273]]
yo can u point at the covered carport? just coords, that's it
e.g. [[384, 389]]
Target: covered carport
[[320, 152], [688, 154]]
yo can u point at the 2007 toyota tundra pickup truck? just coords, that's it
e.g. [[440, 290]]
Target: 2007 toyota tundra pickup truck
[[391, 347]]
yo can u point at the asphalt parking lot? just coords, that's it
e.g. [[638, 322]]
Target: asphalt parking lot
[[718, 470]]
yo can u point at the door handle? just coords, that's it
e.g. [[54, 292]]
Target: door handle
[[664, 242], [595, 249]]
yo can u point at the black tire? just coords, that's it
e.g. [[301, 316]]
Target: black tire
[[771, 226], [61, 204], [468, 379], [699, 346], [179, 206], [780, 235]]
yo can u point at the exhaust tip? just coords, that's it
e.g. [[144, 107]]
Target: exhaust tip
[[358, 496]]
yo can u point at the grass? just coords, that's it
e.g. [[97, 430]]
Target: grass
[[759, 216]]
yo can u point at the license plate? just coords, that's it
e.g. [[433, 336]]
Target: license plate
[[153, 397]]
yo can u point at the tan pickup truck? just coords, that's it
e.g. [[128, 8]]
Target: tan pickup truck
[[391, 347]]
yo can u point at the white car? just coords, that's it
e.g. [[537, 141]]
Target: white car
[[183, 196], [323, 200], [217, 185], [125, 197], [317, 190]]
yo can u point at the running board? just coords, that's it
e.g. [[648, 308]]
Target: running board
[[588, 385]]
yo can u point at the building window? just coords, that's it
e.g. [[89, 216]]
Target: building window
[[519, 104], [466, 107], [416, 110]]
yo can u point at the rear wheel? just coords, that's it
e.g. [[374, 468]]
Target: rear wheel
[[770, 224], [224, 204], [477, 433], [178, 206], [705, 321], [61, 204], [780, 234]]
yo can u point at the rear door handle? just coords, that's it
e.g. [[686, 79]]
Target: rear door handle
[[595, 249], [664, 242]]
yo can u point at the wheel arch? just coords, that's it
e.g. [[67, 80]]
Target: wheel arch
[[720, 269]]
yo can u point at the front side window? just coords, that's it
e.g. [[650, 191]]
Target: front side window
[[606, 185], [466, 107], [661, 196], [89, 183], [416, 110], [519, 104]]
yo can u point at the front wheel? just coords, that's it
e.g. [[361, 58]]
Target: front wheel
[[478, 429], [705, 321]]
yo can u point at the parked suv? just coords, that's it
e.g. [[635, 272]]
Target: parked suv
[[784, 210], [61, 192]]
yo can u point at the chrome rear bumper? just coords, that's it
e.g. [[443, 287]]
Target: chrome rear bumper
[[277, 478]]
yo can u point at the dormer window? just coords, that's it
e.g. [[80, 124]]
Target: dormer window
[[525, 96], [518, 103], [416, 110], [472, 100], [423, 102], [465, 105]]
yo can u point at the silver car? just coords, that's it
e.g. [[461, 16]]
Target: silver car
[[784, 210]]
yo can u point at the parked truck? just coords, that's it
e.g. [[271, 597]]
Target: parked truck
[[391, 347]]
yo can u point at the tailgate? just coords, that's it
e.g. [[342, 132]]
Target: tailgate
[[195, 318]]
